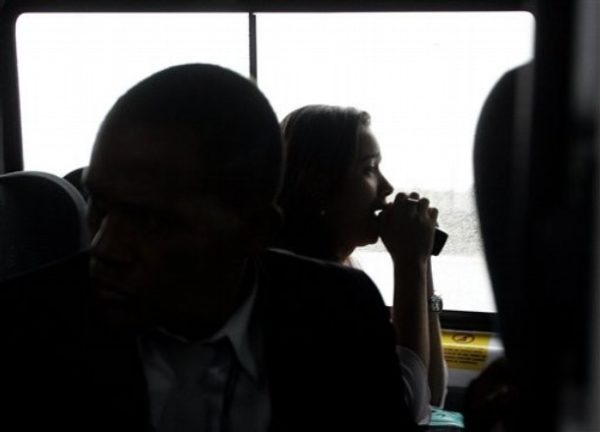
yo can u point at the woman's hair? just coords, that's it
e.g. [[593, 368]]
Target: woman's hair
[[321, 145]]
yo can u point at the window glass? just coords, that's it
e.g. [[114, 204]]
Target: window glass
[[73, 67], [423, 77]]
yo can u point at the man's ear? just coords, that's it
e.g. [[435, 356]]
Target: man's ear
[[263, 227]]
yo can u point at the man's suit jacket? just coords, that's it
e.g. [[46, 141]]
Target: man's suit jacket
[[330, 352]]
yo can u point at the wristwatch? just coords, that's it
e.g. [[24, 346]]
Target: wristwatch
[[435, 303]]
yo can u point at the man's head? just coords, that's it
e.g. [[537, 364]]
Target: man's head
[[183, 178]]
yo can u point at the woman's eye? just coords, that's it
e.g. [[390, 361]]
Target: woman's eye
[[371, 169]]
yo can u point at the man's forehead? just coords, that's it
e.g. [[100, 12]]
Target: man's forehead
[[149, 157], [150, 139]]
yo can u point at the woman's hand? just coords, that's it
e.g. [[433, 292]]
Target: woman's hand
[[407, 228]]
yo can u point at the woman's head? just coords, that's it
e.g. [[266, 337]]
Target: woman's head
[[332, 184]]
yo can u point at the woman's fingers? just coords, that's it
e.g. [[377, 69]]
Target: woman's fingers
[[422, 206], [412, 204], [407, 226], [433, 214], [401, 197]]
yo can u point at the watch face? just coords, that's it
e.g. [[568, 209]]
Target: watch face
[[435, 303]]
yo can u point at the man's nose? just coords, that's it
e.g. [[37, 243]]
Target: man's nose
[[113, 239]]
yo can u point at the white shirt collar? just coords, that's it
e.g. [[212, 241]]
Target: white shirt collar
[[241, 333], [238, 330]]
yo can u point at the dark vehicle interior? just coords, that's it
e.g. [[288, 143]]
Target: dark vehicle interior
[[428, 65]]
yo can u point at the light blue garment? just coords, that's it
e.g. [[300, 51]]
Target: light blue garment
[[440, 417]]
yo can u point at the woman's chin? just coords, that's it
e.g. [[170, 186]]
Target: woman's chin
[[372, 233], [371, 237], [365, 234]]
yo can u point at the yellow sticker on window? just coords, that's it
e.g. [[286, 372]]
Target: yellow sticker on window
[[465, 350]]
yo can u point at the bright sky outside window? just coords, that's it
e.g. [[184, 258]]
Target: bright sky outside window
[[73, 67]]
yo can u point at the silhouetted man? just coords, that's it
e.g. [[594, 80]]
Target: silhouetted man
[[201, 328]]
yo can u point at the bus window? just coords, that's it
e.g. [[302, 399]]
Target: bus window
[[73, 66], [423, 77]]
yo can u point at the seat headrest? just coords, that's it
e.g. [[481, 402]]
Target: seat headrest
[[494, 169], [42, 220], [75, 178]]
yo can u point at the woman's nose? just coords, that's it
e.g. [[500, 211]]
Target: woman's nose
[[385, 187]]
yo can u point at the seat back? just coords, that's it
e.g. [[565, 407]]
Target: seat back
[[42, 220], [495, 191], [75, 178]]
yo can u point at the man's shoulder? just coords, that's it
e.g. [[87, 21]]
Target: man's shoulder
[[285, 264], [328, 327], [308, 278]]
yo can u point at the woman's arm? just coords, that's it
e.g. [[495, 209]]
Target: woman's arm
[[409, 311], [438, 371], [407, 229]]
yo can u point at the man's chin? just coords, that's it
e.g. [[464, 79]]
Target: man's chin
[[370, 240]]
